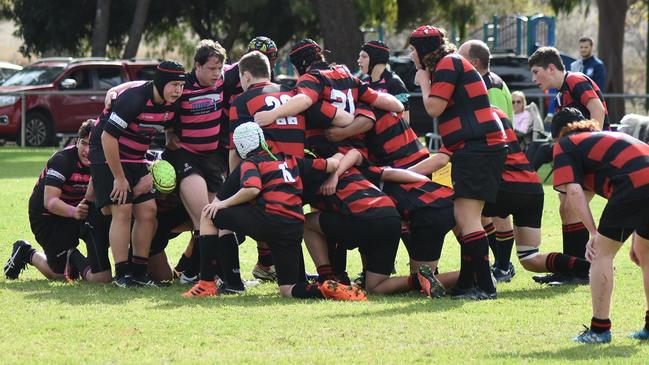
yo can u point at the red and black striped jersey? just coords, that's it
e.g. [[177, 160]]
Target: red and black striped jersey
[[134, 119], [411, 196], [285, 135], [65, 171], [518, 176], [336, 85], [577, 89], [201, 109], [330, 88], [280, 183], [355, 196], [390, 83], [391, 142], [319, 117], [468, 120], [611, 164]]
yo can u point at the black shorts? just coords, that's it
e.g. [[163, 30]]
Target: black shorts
[[526, 209], [210, 167], [428, 228], [167, 221], [56, 235], [476, 175], [377, 239], [284, 239], [619, 221], [102, 182]]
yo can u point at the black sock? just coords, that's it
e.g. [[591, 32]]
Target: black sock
[[122, 268], [194, 263], [490, 230], [30, 253], [575, 237], [304, 290], [325, 272], [208, 257], [467, 272], [413, 282], [480, 259], [78, 261], [505, 244], [139, 265], [183, 262], [228, 254], [567, 265], [264, 257], [600, 325], [646, 320], [339, 259]]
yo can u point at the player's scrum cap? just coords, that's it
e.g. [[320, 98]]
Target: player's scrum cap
[[378, 51], [564, 117], [247, 138], [426, 39], [304, 53], [168, 71], [264, 45]]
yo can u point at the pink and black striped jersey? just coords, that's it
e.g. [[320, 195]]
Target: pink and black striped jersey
[[64, 171], [201, 111], [134, 119]]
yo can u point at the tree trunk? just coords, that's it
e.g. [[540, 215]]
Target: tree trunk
[[137, 28], [610, 39], [340, 28], [233, 31], [100, 30]]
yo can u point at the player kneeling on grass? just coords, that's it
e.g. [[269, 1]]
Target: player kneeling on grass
[[268, 207], [353, 212], [57, 208], [617, 166]]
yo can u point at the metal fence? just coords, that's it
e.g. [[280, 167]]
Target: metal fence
[[421, 123], [94, 95]]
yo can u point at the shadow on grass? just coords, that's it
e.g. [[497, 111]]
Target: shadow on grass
[[540, 291], [43, 291], [579, 352]]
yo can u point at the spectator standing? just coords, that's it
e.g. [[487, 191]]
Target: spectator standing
[[589, 64]]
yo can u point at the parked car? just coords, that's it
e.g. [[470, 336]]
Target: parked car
[[69, 92], [7, 69]]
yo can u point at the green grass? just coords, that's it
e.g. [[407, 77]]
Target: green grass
[[83, 323]]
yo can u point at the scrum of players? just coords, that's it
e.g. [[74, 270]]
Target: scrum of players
[[244, 154]]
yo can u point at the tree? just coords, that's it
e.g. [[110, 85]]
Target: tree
[[137, 28], [99, 39], [610, 38], [340, 28]]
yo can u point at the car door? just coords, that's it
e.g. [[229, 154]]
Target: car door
[[93, 82]]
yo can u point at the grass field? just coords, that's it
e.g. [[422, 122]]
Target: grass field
[[56, 323]]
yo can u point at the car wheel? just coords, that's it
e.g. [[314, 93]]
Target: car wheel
[[38, 130]]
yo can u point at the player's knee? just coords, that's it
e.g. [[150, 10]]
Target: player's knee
[[527, 256]]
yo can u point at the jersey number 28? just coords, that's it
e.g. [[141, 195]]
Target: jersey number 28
[[275, 102]]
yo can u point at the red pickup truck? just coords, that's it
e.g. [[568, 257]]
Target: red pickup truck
[[69, 92]]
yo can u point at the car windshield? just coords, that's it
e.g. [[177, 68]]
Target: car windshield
[[34, 76]]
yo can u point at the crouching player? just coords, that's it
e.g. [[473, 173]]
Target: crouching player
[[617, 166], [353, 212], [268, 207], [56, 208]]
